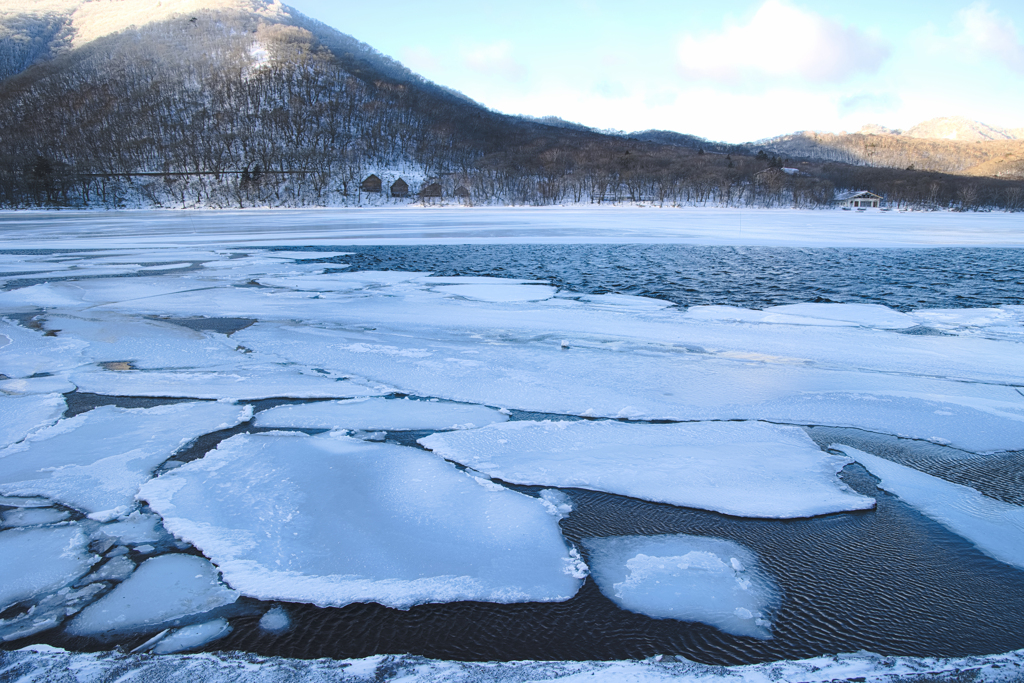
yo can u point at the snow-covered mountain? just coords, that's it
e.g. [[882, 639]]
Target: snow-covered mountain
[[34, 30]]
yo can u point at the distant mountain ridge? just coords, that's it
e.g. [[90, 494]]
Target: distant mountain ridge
[[953, 144], [949, 128]]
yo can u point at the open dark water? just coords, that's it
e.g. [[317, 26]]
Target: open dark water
[[749, 277], [887, 580]]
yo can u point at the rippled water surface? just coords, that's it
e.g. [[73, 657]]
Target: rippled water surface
[[751, 277]]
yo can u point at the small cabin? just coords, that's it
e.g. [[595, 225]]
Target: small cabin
[[461, 192], [861, 199], [371, 184], [399, 188], [431, 191]]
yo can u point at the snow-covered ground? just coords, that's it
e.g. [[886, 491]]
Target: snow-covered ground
[[114, 504]]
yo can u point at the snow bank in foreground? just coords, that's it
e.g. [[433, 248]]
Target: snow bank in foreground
[[42, 662], [688, 578], [332, 520], [163, 590], [994, 527], [750, 469], [379, 413]]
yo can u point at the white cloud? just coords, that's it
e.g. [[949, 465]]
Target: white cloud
[[612, 90], [869, 103], [986, 32], [496, 60], [782, 43]]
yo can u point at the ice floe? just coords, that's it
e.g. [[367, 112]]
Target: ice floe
[[33, 517], [332, 520], [245, 383], [30, 352], [164, 591], [191, 637], [46, 384], [494, 292], [96, 461], [379, 413], [144, 343], [994, 527], [689, 578], [743, 469], [276, 620], [22, 415], [41, 560]]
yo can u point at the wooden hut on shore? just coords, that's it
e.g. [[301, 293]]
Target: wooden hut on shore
[[399, 188], [431, 191], [461, 193], [371, 184]]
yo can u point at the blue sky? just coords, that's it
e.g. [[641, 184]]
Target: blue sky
[[748, 71]]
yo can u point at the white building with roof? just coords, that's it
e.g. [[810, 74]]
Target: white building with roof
[[861, 199]]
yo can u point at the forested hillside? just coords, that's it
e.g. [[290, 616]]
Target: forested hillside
[[250, 103]]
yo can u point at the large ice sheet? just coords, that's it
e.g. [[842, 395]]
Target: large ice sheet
[[332, 520], [689, 578], [37, 561], [242, 383], [994, 527], [96, 461], [21, 415], [379, 413], [618, 378], [743, 469], [163, 591]]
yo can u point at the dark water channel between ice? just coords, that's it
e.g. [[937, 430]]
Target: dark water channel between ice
[[887, 580]]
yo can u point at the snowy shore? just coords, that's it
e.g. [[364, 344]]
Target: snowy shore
[[42, 663]]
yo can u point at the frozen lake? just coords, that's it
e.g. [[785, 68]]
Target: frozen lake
[[495, 435], [517, 225]]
